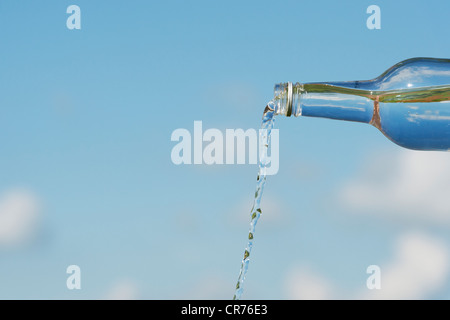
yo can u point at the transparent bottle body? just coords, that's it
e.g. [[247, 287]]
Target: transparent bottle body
[[409, 103]]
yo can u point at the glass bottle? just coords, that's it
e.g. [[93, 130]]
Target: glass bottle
[[409, 103]]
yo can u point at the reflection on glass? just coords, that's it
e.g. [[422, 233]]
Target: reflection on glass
[[408, 102]]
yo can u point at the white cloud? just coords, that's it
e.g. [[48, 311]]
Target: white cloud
[[19, 217], [210, 287], [304, 284], [123, 290], [406, 184], [419, 268]]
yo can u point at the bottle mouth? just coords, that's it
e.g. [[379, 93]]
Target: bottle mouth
[[286, 99], [283, 98]]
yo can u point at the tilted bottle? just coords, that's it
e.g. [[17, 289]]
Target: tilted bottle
[[409, 103]]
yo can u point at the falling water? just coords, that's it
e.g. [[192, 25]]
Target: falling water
[[264, 142]]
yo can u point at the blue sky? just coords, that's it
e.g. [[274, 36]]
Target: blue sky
[[85, 123]]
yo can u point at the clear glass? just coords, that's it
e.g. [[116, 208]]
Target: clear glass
[[409, 103]]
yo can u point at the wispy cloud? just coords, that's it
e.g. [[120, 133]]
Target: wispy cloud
[[404, 184], [123, 290], [419, 268], [210, 287], [303, 283], [19, 217]]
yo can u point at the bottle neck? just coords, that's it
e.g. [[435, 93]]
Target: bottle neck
[[287, 99], [324, 100]]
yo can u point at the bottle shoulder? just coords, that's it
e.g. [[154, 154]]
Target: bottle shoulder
[[414, 73]]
